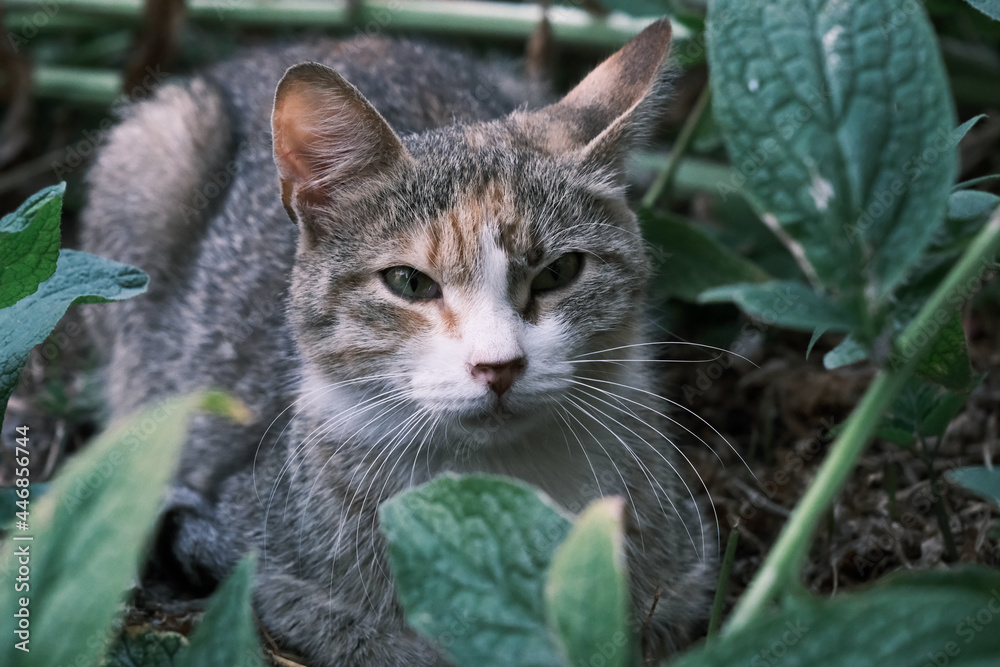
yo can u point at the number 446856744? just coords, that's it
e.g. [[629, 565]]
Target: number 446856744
[[21, 473]]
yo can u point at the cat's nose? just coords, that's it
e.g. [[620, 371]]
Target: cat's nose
[[498, 377]]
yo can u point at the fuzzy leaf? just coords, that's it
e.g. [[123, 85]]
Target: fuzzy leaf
[[90, 532], [29, 244], [145, 648], [689, 262], [947, 362], [848, 352], [983, 481], [586, 594], [840, 117], [785, 303], [227, 634], [918, 619], [79, 278], [469, 555], [989, 7]]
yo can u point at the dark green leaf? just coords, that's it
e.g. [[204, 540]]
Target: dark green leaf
[[144, 647], [29, 244], [947, 361], [689, 262], [227, 635], [937, 420], [899, 436], [587, 594], [79, 277], [983, 481], [469, 555], [90, 532], [786, 303], [989, 7], [840, 118], [920, 619]]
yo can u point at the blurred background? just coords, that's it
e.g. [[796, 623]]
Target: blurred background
[[69, 67]]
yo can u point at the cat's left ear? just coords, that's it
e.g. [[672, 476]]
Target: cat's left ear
[[614, 106]]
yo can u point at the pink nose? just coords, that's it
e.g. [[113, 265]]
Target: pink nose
[[498, 377]]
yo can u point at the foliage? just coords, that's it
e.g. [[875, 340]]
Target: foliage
[[86, 539], [39, 295]]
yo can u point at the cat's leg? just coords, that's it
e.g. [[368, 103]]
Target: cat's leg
[[333, 632]]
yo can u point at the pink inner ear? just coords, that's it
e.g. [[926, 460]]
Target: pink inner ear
[[297, 143]]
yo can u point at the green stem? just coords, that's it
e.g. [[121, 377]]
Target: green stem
[[488, 19], [666, 177], [789, 552], [715, 620]]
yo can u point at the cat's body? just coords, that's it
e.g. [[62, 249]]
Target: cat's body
[[365, 375]]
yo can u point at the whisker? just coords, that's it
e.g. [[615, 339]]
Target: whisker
[[650, 478], [675, 342], [680, 451], [685, 409]]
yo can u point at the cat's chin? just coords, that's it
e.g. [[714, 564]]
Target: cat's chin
[[493, 424]]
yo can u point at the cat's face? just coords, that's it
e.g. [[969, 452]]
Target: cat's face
[[478, 285], [461, 281]]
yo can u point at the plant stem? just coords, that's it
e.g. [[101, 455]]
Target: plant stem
[[785, 559], [666, 177], [940, 513], [488, 19], [720, 591]]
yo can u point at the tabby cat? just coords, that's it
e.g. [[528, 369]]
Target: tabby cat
[[461, 288]]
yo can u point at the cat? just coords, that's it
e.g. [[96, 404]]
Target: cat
[[461, 288]]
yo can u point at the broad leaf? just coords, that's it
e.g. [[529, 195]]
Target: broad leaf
[[983, 481], [88, 535], [227, 634], [989, 7], [918, 619], [144, 647], [840, 118], [29, 244], [587, 594], [471, 553], [688, 262], [79, 278], [785, 303]]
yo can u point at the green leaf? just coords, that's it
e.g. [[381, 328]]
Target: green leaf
[[89, 535], [840, 118], [227, 634], [638, 7], [848, 352], [983, 481], [786, 303], [894, 434], [469, 555], [689, 262], [920, 619], [989, 7], [144, 647], [938, 418], [29, 244], [947, 362], [586, 593], [79, 278]]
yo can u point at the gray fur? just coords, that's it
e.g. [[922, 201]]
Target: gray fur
[[239, 301]]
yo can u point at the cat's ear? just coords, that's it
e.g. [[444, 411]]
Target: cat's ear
[[607, 112], [330, 144]]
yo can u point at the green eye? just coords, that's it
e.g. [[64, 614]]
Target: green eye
[[558, 273], [410, 283]]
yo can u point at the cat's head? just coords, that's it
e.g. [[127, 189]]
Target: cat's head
[[470, 273]]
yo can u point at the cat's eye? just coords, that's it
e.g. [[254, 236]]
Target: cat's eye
[[558, 273], [407, 282]]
